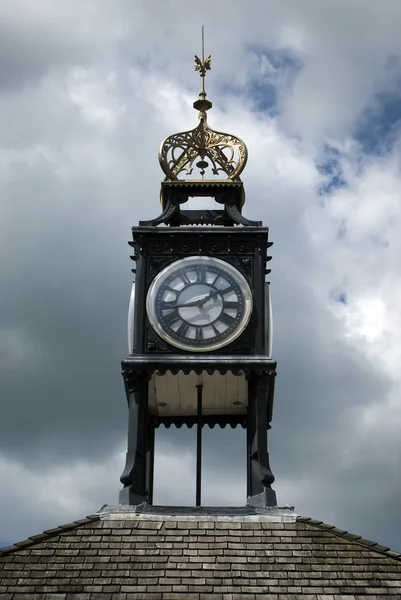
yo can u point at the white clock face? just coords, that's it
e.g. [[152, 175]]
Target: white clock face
[[199, 303]]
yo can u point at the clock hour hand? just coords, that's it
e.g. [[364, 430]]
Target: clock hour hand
[[211, 294]]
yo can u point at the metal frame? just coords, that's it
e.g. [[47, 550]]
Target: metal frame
[[245, 249], [138, 473]]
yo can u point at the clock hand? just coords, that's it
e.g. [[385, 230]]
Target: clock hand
[[211, 294], [197, 301], [186, 304]]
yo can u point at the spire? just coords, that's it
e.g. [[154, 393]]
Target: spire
[[202, 66], [202, 148]]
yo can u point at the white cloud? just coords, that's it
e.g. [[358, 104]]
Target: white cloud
[[94, 96]]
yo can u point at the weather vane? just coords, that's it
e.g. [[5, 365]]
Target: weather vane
[[203, 65]]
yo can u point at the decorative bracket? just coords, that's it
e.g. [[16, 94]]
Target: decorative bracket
[[229, 194]]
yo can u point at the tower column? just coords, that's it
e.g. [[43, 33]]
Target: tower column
[[135, 477], [150, 459], [259, 475]]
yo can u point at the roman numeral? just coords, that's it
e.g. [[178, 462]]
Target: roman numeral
[[183, 328], [199, 334], [185, 278], [166, 304], [233, 304], [201, 275], [171, 317], [226, 290], [227, 319]]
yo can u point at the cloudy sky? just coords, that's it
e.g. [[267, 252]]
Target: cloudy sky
[[88, 89]]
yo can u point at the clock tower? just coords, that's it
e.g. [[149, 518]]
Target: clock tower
[[199, 325]]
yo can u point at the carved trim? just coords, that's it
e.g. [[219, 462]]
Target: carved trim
[[237, 217], [207, 420], [154, 343], [156, 264], [136, 381], [169, 211], [206, 363]]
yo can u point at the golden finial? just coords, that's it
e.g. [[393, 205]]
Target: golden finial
[[179, 152]]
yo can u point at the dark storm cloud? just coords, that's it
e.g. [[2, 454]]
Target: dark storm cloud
[[25, 57], [66, 292]]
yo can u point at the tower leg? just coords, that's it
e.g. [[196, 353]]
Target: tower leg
[[150, 459], [260, 477], [135, 475]]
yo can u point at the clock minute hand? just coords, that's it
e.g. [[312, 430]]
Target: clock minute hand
[[186, 304], [199, 301]]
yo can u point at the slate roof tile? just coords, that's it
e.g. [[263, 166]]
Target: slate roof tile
[[155, 557]]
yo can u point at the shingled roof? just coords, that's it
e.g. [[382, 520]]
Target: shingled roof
[[126, 553]]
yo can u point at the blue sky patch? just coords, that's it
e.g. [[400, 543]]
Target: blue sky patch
[[263, 96], [380, 124], [271, 74], [329, 166]]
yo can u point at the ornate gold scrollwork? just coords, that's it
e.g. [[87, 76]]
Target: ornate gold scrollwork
[[226, 153]]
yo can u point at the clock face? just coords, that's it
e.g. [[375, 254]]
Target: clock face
[[199, 303]]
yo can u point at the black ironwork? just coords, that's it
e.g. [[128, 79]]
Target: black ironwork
[[135, 476], [226, 234], [260, 476], [150, 460], [230, 194]]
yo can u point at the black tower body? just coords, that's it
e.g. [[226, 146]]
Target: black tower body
[[233, 383]]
